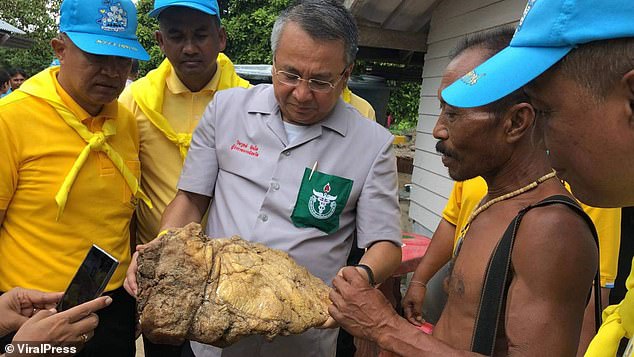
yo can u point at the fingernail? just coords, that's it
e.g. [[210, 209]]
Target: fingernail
[[108, 300]]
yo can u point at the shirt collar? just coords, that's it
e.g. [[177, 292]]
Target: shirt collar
[[266, 103], [108, 111], [338, 118], [176, 86]]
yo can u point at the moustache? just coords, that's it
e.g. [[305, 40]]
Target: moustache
[[441, 148]]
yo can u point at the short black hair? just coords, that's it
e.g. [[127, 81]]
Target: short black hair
[[4, 77], [14, 71], [598, 66]]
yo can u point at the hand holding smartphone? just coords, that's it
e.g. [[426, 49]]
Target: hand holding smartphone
[[91, 278]]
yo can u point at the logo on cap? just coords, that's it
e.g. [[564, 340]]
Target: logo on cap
[[471, 78], [113, 17], [528, 8]]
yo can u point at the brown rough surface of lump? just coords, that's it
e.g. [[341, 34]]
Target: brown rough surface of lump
[[216, 291]]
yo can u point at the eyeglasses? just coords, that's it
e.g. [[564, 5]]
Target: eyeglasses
[[316, 85]]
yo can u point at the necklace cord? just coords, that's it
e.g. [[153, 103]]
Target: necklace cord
[[476, 212]]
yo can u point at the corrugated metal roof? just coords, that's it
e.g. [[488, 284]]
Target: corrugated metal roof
[[11, 36], [7, 27]]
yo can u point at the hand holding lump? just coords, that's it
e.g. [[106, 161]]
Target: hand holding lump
[[216, 291]]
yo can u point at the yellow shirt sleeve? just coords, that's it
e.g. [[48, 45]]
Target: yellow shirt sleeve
[[360, 104], [464, 198], [10, 162], [608, 224], [363, 107], [452, 209]]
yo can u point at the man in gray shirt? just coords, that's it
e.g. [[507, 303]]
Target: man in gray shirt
[[295, 168]]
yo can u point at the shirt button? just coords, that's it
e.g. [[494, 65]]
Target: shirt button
[[275, 186], [287, 153], [263, 217]]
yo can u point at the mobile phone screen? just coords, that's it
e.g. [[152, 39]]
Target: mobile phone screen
[[90, 280]]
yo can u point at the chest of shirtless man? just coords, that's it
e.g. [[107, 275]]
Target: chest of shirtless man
[[547, 278]]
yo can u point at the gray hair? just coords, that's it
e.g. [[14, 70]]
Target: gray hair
[[325, 20], [493, 41]]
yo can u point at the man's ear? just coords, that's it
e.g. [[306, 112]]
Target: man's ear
[[346, 75], [222, 38], [349, 71], [60, 47], [628, 79], [159, 39], [519, 121]]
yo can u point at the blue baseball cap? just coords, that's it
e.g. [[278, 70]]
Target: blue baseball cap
[[102, 27], [207, 6], [547, 31]]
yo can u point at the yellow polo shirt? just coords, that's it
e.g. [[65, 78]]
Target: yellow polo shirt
[[37, 150], [358, 103], [466, 195], [160, 158]]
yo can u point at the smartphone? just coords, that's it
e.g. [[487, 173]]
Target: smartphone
[[90, 280]]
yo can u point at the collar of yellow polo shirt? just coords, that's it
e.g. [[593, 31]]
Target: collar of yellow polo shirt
[[358, 103], [148, 94], [42, 87]]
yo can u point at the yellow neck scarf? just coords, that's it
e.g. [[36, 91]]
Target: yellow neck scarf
[[42, 86], [618, 322], [148, 94]]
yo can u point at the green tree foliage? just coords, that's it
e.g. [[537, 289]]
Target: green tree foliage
[[403, 105], [37, 18], [248, 24], [145, 32]]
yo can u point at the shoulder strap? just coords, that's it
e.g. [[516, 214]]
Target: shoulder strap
[[494, 289]]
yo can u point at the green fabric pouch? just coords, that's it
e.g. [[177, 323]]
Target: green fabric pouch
[[320, 201]]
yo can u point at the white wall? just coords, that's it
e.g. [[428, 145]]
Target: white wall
[[451, 20]]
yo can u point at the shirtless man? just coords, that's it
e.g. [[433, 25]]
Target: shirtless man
[[549, 287], [574, 58]]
